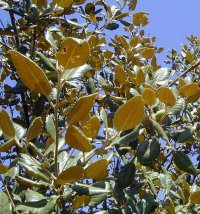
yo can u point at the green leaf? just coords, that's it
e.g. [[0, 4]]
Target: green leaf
[[161, 74], [184, 163], [126, 175], [11, 173], [95, 189], [4, 204], [33, 207], [50, 39], [50, 126], [77, 72], [31, 74], [32, 196], [19, 131], [166, 181], [148, 151], [112, 26], [45, 61], [160, 130], [187, 134], [97, 199], [177, 107]]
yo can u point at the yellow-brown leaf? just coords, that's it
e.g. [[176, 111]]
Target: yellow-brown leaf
[[34, 129], [129, 114], [120, 75], [148, 53], [195, 197], [73, 53], [81, 108], [140, 78], [189, 90], [98, 170], [31, 74], [82, 200], [3, 169], [75, 138], [92, 127], [149, 96], [6, 124], [70, 175], [166, 96]]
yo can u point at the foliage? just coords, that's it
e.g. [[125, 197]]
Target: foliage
[[93, 123]]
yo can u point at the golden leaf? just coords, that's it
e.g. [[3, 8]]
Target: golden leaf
[[140, 78], [195, 197], [120, 75], [62, 3], [82, 200], [73, 53], [129, 114], [98, 170], [70, 175], [148, 53], [31, 74], [6, 124], [92, 127], [189, 90], [149, 96], [34, 129], [75, 138], [81, 108], [3, 169], [8, 145], [166, 96]]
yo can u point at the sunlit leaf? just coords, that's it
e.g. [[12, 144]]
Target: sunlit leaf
[[70, 175], [34, 129], [62, 3], [120, 75], [148, 53], [129, 114], [195, 197], [73, 53], [81, 108], [133, 4], [4, 203], [82, 200], [31, 74], [140, 77], [189, 90], [8, 145], [149, 96], [50, 126], [91, 128], [166, 96], [75, 138], [97, 170], [6, 124], [3, 169]]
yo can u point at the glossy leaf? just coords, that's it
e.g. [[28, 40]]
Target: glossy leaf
[[195, 197], [19, 131], [75, 138], [49, 207], [3, 169], [189, 90], [73, 53], [50, 126], [129, 114], [184, 163], [81, 108], [31, 74], [97, 170], [70, 175], [62, 3], [177, 107], [8, 145], [6, 124], [79, 201], [166, 96], [34, 129]]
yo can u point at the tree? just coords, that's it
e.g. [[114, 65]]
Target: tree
[[93, 124]]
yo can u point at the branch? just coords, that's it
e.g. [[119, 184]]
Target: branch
[[185, 72]]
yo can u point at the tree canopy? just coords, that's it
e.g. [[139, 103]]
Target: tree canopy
[[89, 120]]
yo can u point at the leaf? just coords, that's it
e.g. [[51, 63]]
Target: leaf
[[148, 53], [120, 75], [91, 128], [97, 170], [160, 130], [187, 134], [97, 199], [75, 138], [26, 183], [62, 3], [31, 74], [112, 26], [11, 173], [3, 169], [48, 208], [126, 175], [133, 4], [81, 108], [95, 189], [4, 203], [140, 78], [166, 181], [8, 145], [73, 53], [34, 129], [6, 124], [32, 196], [177, 107], [129, 114], [50, 39], [189, 90], [19, 131], [149, 96], [45, 61], [79, 201], [70, 175], [148, 151], [50, 126], [166, 96], [77, 72], [195, 197], [161, 74], [183, 162]]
